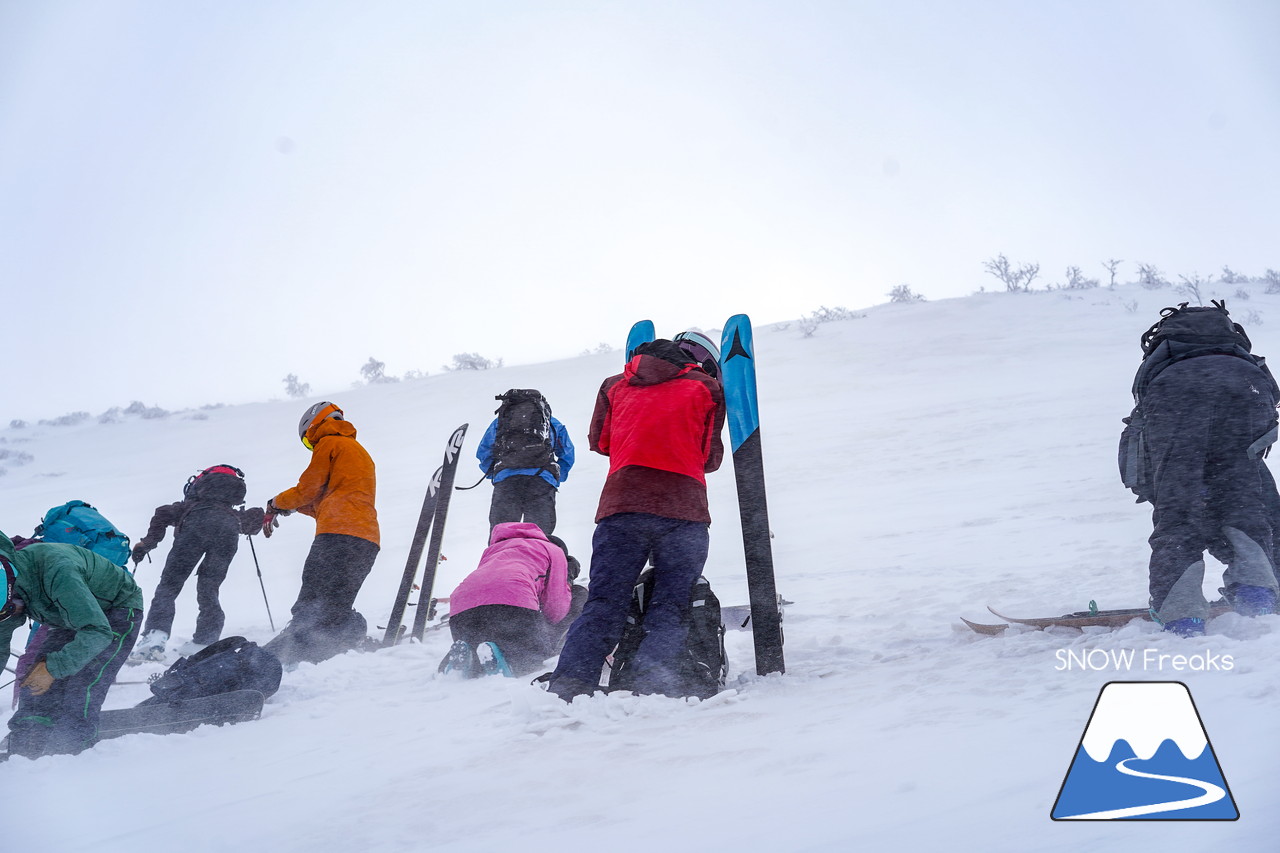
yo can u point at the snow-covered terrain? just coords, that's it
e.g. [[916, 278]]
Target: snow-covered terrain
[[923, 461]]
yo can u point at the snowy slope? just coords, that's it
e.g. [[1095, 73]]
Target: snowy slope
[[923, 461]]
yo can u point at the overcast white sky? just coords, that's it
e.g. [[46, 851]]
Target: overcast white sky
[[197, 198]]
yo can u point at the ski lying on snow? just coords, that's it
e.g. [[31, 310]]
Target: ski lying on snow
[[1081, 619], [177, 717]]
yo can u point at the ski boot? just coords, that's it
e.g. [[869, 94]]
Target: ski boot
[[461, 659], [1251, 600], [149, 649], [492, 661]]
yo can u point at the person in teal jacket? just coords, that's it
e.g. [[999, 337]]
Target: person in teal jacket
[[94, 609]]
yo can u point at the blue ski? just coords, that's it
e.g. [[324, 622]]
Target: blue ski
[[641, 333], [738, 373]]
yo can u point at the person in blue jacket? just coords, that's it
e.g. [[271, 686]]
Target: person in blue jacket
[[528, 454]]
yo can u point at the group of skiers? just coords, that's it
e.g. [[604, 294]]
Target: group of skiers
[[1205, 416], [659, 422]]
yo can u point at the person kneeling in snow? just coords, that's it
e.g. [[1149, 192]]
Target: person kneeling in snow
[[94, 609], [509, 614]]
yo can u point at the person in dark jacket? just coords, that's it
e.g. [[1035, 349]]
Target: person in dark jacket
[[659, 422], [207, 524], [522, 493], [1207, 415], [337, 489], [93, 608]]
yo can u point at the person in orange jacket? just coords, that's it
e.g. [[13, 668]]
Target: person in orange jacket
[[337, 490]]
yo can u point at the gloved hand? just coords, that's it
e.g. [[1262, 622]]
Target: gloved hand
[[38, 681], [139, 551], [272, 508], [269, 523]]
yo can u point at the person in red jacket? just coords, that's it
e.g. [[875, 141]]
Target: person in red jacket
[[659, 422], [337, 490]]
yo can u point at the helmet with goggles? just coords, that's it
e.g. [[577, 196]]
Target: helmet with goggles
[[314, 415]]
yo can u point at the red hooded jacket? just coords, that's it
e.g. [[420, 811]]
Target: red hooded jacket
[[659, 423]]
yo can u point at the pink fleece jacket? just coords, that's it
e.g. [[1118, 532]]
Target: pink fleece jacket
[[520, 568]]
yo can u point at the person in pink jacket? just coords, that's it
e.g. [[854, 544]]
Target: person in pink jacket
[[504, 616]]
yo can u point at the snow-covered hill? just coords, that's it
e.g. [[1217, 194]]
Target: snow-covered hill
[[923, 461]]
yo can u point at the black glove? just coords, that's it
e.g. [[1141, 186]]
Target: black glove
[[139, 551]]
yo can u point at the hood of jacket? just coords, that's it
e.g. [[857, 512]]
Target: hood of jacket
[[657, 362], [330, 426], [516, 530]]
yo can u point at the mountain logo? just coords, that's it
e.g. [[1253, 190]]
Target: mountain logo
[[1144, 755]]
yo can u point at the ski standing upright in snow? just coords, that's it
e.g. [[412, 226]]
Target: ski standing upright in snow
[[738, 375], [430, 519], [642, 332]]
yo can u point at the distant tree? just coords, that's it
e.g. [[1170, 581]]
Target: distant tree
[[1230, 276], [1111, 266], [374, 372], [1253, 318], [294, 388], [1075, 280], [600, 349], [17, 424], [904, 293], [1015, 280], [1149, 276], [472, 361], [1192, 287], [411, 375], [1272, 278]]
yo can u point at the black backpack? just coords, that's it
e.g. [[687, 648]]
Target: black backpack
[[704, 666], [232, 663], [524, 437], [1188, 332], [1180, 333], [221, 483]]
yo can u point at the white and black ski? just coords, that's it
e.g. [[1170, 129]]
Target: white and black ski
[[430, 520]]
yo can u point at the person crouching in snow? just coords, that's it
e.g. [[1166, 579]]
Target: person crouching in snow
[[94, 610], [207, 524], [503, 616], [337, 489]]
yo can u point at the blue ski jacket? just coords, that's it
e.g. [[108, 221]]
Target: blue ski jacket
[[560, 445]]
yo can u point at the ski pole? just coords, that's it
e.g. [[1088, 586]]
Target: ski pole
[[254, 552]]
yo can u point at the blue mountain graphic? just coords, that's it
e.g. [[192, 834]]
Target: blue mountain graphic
[[1100, 786]]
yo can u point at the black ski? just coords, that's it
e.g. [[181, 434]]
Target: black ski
[[738, 373], [426, 520], [449, 470], [156, 716]]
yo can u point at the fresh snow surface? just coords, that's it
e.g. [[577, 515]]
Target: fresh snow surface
[[923, 461]]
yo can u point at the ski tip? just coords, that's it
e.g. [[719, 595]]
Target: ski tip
[[988, 630]]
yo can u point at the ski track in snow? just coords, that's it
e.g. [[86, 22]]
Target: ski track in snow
[[923, 462]]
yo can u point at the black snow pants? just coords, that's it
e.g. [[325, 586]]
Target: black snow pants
[[208, 536], [1208, 421], [324, 623], [524, 497]]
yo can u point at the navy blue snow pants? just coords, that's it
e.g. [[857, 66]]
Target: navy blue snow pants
[[622, 545]]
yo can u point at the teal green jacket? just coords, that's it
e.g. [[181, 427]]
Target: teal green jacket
[[66, 586]]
